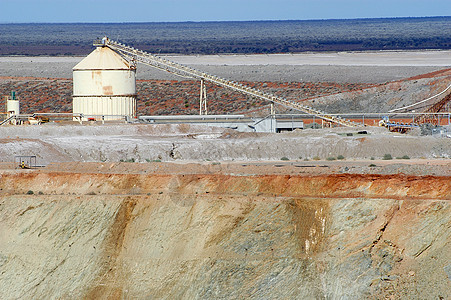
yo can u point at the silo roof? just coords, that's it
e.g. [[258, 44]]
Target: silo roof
[[103, 58]]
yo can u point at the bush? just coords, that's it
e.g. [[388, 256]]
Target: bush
[[387, 157], [331, 158], [372, 165], [372, 158], [340, 157], [40, 193], [284, 158], [316, 158], [128, 160], [30, 192], [403, 157]]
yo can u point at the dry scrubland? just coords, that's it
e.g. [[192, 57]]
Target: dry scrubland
[[207, 213]]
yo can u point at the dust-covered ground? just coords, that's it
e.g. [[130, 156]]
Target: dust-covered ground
[[53, 143]]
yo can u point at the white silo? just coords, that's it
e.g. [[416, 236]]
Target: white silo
[[12, 105], [104, 86]]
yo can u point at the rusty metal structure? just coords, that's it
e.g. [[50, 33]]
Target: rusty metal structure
[[432, 117], [431, 113]]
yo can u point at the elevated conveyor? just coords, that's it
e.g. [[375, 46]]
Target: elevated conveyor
[[178, 69]]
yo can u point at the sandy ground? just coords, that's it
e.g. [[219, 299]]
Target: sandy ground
[[326, 67], [223, 150]]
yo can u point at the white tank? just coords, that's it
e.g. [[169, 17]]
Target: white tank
[[104, 85], [12, 107]]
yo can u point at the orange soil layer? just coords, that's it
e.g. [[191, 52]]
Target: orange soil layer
[[325, 186], [444, 72]]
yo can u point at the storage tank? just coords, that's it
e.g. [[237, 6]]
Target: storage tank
[[104, 86], [12, 105]]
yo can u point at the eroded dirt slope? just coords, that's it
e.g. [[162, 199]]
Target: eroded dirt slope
[[116, 236]]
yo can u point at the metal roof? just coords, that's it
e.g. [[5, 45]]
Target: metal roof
[[103, 58]]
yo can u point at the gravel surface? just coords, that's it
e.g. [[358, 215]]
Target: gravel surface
[[361, 67], [187, 144]]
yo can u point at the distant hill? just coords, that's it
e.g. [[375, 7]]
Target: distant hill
[[232, 37]]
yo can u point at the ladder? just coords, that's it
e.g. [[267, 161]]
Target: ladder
[[135, 55]]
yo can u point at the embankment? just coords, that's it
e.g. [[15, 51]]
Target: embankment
[[116, 236]]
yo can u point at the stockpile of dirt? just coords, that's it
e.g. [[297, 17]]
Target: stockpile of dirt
[[114, 236], [384, 98]]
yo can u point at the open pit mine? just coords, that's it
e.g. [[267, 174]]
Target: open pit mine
[[342, 194]]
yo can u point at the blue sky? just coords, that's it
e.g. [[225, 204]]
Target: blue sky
[[20, 11]]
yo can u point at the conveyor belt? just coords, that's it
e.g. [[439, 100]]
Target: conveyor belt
[[184, 71]]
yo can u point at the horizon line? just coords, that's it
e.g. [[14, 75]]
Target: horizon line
[[230, 21]]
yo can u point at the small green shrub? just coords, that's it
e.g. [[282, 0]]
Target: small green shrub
[[40, 193], [372, 158], [405, 157], [340, 157], [284, 158], [215, 163], [306, 159], [127, 160], [316, 158], [153, 160], [372, 165], [30, 192], [387, 157], [331, 158]]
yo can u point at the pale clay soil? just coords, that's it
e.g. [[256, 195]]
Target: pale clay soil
[[362, 67]]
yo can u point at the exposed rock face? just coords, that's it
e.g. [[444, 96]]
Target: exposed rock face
[[115, 236]]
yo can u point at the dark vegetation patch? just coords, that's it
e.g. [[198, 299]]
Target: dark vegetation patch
[[232, 37]]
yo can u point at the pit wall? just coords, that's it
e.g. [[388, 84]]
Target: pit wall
[[117, 236]]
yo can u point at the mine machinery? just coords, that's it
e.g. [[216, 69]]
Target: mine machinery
[[432, 111], [25, 161], [134, 55], [430, 115]]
